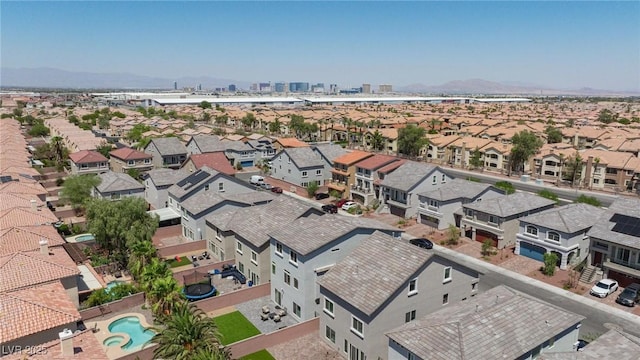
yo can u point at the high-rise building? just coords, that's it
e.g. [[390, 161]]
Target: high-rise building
[[232, 87], [264, 86], [317, 88], [333, 88], [366, 88], [385, 88], [299, 86], [175, 85], [280, 87], [199, 87]]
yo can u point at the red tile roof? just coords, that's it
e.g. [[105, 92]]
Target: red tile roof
[[26, 217], [13, 200], [376, 161], [291, 142], [352, 157], [390, 167], [32, 310], [217, 161], [19, 187], [126, 153], [24, 269], [27, 238], [85, 346], [87, 156]]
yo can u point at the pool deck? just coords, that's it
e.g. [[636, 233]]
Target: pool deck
[[102, 333], [252, 310]]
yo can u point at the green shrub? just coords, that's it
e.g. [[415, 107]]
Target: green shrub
[[59, 181], [588, 200], [550, 261], [487, 247], [506, 186], [548, 194]]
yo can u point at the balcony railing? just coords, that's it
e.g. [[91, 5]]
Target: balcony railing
[[361, 189]]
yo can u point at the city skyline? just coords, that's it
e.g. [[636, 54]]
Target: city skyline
[[562, 45]]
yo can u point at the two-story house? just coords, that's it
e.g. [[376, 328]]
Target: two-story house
[[442, 207], [157, 183], [362, 299], [216, 160], [436, 149], [88, 162], [497, 219], [561, 230], [117, 185], [343, 173], [329, 152], [304, 250], [125, 159], [615, 242], [202, 144], [608, 169], [400, 189], [367, 188], [243, 234], [263, 147], [550, 160], [520, 327], [167, 152], [299, 166]]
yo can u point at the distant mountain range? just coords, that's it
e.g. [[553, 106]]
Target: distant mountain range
[[56, 78]]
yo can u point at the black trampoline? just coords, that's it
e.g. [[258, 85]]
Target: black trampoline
[[198, 286]]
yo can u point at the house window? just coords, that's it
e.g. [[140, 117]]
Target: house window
[[295, 283], [410, 316], [304, 174], [319, 172], [131, 162], [239, 247], [328, 306], [287, 277], [553, 236], [254, 257], [84, 166], [279, 248], [346, 346], [296, 309], [445, 299], [220, 186], [622, 255], [531, 230], [206, 187], [241, 267], [273, 267], [447, 274], [115, 196], [147, 161], [434, 180], [288, 171], [357, 326], [293, 257], [413, 287], [493, 220], [330, 334], [444, 178], [410, 356], [469, 213], [278, 296]]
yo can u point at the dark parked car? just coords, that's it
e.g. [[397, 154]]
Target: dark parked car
[[422, 242], [331, 208], [320, 196], [630, 296], [341, 202], [276, 189]]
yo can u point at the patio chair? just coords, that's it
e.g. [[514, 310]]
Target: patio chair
[[264, 316], [281, 312], [265, 310], [276, 318]]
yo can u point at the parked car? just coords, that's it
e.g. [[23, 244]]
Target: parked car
[[630, 296], [266, 186], [348, 206], [604, 287], [422, 242], [330, 208], [276, 189], [320, 196], [256, 180], [341, 202]]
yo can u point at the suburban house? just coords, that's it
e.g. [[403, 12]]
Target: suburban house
[[263, 148], [308, 247], [288, 143], [299, 166], [362, 299], [550, 161], [243, 234], [442, 207], [343, 173], [216, 160], [202, 144], [608, 169], [117, 185], [88, 162], [615, 242], [125, 159], [167, 152], [329, 152], [614, 344], [197, 207], [437, 148], [499, 323], [389, 140], [460, 151], [157, 183], [366, 188], [400, 189], [562, 230]]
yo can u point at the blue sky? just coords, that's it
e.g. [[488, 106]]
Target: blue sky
[[562, 44]]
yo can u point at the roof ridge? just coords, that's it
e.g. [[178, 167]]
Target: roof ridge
[[26, 253], [460, 341], [12, 295]]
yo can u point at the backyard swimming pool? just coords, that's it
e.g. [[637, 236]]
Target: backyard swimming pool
[[131, 326]]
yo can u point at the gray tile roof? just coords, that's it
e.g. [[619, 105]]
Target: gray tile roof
[[180, 191], [602, 229], [169, 146], [499, 323], [255, 223], [456, 189], [568, 219], [304, 157], [113, 181], [509, 205], [206, 143], [613, 344], [367, 284], [330, 151], [164, 177], [208, 199], [407, 175], [308, 234]]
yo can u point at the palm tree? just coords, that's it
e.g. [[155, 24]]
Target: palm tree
[[188, 334], [165, 294], [155, 269], [377, 140], [60, 152], [140, 254]]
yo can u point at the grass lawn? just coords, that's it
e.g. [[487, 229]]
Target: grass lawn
[[259, 355], [184, 260], [235, 327]]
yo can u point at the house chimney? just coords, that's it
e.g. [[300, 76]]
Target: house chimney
[[587, 173], [44, 247], [463, 155], [66, 342], [34, 207]]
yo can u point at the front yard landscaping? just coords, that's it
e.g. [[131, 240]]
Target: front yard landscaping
[[234, 327], [173, 263], [258, 355]]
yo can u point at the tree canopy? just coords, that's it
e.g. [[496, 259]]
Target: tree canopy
[[476, 158], [39, 129], [77, 189], [411, 139], [205, 104], [525, 145], [506, 186], [554, 135], [135, 134]]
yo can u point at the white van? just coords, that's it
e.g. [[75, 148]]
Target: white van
[[257, 180]]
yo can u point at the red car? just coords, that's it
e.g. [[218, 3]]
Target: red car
[[341, 202], [276, 189]]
